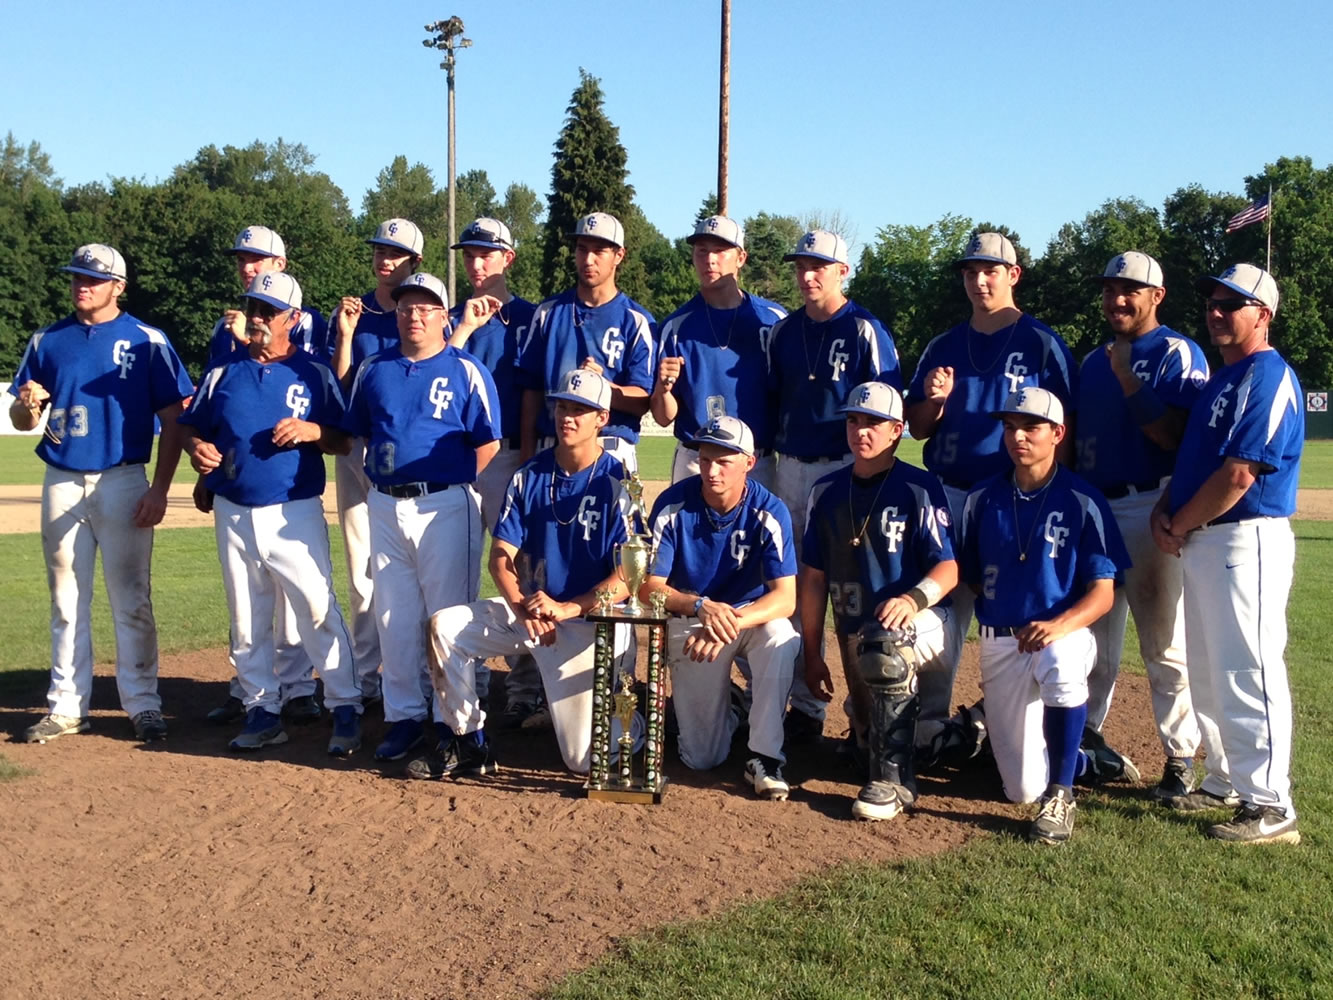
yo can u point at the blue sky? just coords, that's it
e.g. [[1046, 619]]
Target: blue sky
[[1029, 114]]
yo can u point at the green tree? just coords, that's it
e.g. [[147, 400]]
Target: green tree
[[521, 211], [589, 175], [767, 239], [656, 273], [401, 192]]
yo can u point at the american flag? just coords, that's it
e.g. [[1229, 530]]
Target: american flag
[[1254, 212]]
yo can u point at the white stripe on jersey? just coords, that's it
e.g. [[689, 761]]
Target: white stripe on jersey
[[867, 333], [1048, 347], [538, 320], [770, 522], [1091, 512], [642, 331], [332, 390], [969, 505], [815, 493], [154, 336], [210, 382], [32, 346], [928, 512], [1242, 401], [1284, 397], [1181, 349], [664, 517], [477, 384]]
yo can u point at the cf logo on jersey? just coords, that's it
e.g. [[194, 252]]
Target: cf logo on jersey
[[440, 395], [715, 406], [1140, 368], [120, 355], [891, 526], [297, 400], [738, 550], [1056, 533], [1015, 371], [1219, 406], [612, 346], [837, 360], [588, 517]]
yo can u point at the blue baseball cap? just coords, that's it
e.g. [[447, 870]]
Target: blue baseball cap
[[491, 234], [97, 260], [731, 433], [423, 281], [990, 248], [1249, 280], [277, 288], [580, 385], [600, 226], [399, 233], [259, 240], [875, 399], [1033, 402], [821, 245]]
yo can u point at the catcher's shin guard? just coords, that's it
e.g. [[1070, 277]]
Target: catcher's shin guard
[[887, 662]]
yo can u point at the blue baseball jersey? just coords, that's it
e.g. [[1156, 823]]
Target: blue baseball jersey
[[617, 335], [376, 331], [902, 520], [311, 335], [968, 444], [236, 407], [730, 558], [1034, 555], [726, 364], [107, 382], [813, 367], [565, 527], [495, 345], [423, 420], [1251, 410], [1112, 450]]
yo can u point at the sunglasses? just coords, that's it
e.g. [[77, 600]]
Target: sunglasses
[[1229, 305], [262, 310]]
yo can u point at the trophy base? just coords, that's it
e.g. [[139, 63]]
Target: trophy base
[[634, 794]]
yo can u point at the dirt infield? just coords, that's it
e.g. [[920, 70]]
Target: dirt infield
[[182, 870]]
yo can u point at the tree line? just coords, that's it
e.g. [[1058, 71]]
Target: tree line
[[173, 233]]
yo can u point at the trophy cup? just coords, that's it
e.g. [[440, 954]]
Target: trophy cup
[[634, 558], [626, 702]]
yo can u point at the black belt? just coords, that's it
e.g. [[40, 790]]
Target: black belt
[[995, 631], [811, 459], [406, 491], [956, 484], [1125, 489]]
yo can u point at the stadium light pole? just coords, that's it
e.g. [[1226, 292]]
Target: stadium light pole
[[724, 110], [447, 36]]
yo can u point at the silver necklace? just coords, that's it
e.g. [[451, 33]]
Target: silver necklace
[[1032, 531], [721, 522], [998, 354], [717, 341], [805, 348], [555, 474]]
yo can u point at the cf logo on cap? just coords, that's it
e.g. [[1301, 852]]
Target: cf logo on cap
[[864, 397], [418, 279], [590, 222], [267, 282], [712, 224], [575, 381], [246, 236], [1121, 266], [393, 228], [88, 257], [975, 245], [809, 239], [1022, 397], [1228, 273]]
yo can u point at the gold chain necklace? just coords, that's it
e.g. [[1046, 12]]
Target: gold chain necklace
[[998, 354], [851, 513]]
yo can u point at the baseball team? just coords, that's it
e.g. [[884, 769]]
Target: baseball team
[[1057, 499]]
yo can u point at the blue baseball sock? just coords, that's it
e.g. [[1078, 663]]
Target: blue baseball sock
[[1063, 729]]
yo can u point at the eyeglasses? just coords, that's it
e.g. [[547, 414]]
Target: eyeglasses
[[426, 311], [263, 310], [1229, 305]]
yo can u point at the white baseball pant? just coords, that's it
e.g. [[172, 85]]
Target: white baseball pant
[[792, 482], [700, 692], [1017, 687], [685, 463], [296, 678], [934, 634], [282, 548], [426, 556], [937, 686], [82, 512], [490, 628], [1154, 594], [352, 486], [1237, 581]]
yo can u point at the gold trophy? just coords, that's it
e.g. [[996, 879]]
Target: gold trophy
[[634, 558], [626, 703]]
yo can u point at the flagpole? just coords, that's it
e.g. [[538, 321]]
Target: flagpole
[[1268, 258]]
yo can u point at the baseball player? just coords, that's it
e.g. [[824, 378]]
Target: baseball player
[[712, 356], [1043, 554], [878, 543], [257, 430], [1133, 397], [488, 252], [816, 356], [104, 375], [366, 326], [553, 550], [431, 423], [259, 250], [963, 376], [595, 326], [1226, 514], [725, 560]]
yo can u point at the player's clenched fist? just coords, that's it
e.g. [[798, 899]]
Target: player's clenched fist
[[939, 383], [348, 314], [33, 395], [204, 456], [234, 322], [668, 371], [291, 431]]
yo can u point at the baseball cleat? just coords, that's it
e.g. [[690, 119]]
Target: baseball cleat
[[1177, 779], [346, 738], [764, 775], [878, 800], [229, 711], [539, 719], [404, 736], [801, 729], [1104, 764], [301, 710], [49, 727], [1201, 800], [1257, 825], [262, 729], [455, 756], [149, 726], [1055, 817]]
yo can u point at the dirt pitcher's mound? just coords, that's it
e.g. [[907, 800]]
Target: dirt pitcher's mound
[[183, 870]]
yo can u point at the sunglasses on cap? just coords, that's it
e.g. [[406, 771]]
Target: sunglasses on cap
[[1230, 305]]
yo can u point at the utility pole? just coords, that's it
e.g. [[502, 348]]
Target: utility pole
[[447, 36], [724, 110]]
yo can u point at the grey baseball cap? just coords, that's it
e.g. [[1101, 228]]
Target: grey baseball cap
[[259, 240], [600, 226], [1248, 280], [277, 288], [821, 245], [399, 233], [875, 399], [727, 432], [993, 248], [1033, 402], [491, 234], [97, 260], [718, 227], [1135, 266], [423, 281], [582, 386]]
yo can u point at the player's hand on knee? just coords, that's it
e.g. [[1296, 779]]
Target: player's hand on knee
[[818, 679], [939, 383], [701, 648], [896, 612], [720, 620], [1036, 636], [151, 508], [203, 497]]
